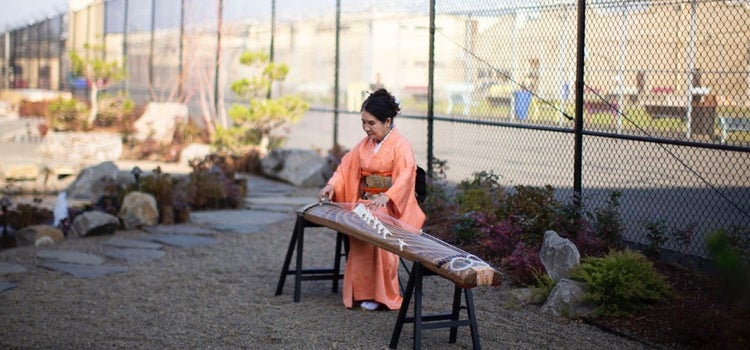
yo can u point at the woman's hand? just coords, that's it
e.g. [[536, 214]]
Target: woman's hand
[[325, 194], [379, 201]]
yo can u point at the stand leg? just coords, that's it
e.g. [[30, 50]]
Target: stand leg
[[402, 312], [472, 319], [418, 307], [455, 313], [337, 262], [298, 270], [288, 258]]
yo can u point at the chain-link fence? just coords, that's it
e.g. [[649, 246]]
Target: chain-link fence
[[647, 98]]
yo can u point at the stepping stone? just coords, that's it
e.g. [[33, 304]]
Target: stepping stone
[[6, 286], [84, 271], [69, 257], [8, 268], [295, 202], [135, 256], [132, 243], [180, 229], [260, 187], [239, 221], [184, 241]]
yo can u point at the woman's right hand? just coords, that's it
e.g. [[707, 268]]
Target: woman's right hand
[[326, 193]]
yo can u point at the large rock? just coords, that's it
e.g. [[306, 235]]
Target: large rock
[[559, 255], [80, 148], [87, 185], [138, 209], [194, 151], [38, 235], [94, 223], [567, 300], [159, 121], [302, 168]]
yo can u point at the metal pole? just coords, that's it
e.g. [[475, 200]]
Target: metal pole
[[336, 78], [218, 61], [578, 129], [61, 82], [38, 26], [430, 90], [691, 72], [125, 44], [181, 44], [104, 31], [271, 49], [8, 67], [151, 45]]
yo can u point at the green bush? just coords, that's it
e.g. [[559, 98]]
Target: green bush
[[728, 248], [67, 115], [483, 193], [621, 282]]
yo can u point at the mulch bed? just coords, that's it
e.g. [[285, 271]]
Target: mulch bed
[[699, 316]]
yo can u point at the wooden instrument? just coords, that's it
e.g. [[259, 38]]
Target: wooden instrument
[[464, 269]]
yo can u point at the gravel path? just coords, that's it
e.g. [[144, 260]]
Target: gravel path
[[222, 297]]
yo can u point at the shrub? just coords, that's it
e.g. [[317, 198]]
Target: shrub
[[67, 115], [483, 193], [536, 208], [467, 228], [657, 235], [522, 263], [728, 248], [620, 282], [500, 238], [438, 206], [212, 184], [608, 224], [161, 186], [114, 110], [543, 285]]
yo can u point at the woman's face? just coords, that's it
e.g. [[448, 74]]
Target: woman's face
[[374, 128]]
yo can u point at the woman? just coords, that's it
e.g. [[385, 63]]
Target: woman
[[379, 171]]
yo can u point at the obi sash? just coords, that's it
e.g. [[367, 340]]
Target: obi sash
[[372, 184]]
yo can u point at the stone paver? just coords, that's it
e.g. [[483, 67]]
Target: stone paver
[[85, 271], [179, 229], [132, 243], [239, 221], [8, 268], [183, 241], [69, 257], [258, 186], [278, 204], [135, 256], [6, 286]]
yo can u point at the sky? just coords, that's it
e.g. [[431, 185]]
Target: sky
[[14, 13]]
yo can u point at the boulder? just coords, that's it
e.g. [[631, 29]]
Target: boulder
[[159, 121], [302, 168], [93, 223], [558, 255], [80, 148], [38, 235], [87, 185], [194, 151], [567, 300], [138, 209]]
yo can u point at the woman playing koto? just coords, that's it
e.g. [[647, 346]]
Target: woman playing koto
[[379, 171]]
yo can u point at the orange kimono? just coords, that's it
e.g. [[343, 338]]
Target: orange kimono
[[371, 273]]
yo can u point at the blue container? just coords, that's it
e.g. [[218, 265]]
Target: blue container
[[80, 83], [522, 100]]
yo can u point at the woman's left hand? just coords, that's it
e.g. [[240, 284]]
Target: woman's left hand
[[380, 201]]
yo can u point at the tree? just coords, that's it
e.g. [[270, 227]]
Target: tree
[[253, 123], [98, 72]]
